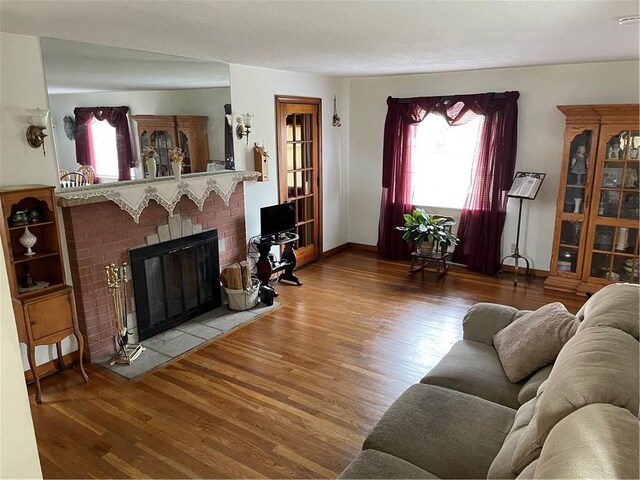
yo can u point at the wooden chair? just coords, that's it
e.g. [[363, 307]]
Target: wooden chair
[[73, 179], [89, 173]]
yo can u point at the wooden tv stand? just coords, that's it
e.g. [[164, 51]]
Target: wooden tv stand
[[287, 264]]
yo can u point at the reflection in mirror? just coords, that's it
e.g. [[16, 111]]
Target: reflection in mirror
[[111, 105]]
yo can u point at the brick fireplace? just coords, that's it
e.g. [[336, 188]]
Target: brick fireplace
[[99, 233]]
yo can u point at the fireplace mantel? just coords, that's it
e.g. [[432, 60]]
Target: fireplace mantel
[[133, 197]]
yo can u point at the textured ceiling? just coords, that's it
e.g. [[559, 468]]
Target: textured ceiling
[[346, 38]]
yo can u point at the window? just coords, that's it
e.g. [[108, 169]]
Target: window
[[105, 151], [442, 161]]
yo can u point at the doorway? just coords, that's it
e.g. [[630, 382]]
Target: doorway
[[298, 133]]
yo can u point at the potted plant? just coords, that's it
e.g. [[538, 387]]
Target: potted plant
[[428, 231]]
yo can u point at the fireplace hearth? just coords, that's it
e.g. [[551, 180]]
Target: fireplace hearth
[[175, 281]]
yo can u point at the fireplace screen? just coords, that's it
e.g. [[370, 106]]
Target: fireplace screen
[[175, 281]]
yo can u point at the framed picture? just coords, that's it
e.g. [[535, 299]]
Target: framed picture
[[611, 177]]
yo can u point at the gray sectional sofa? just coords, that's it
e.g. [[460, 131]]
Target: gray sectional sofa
[[577, 418]]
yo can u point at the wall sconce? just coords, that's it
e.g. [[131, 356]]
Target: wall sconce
[[244, 126], [37, 124]]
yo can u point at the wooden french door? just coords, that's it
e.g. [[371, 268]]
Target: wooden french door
[[300, 169]]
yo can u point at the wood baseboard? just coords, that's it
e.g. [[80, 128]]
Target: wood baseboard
[[362, 247], [335, 250], [69, 360], [536, 272]]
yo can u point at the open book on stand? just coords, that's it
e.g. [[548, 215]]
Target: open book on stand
[[526, 185]]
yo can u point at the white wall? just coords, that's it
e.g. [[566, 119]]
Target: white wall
[[207, 102], [540, 135], [18, 449], [253, 90], [23, 87]]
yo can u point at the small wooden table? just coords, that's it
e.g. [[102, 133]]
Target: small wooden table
[[286, 265], [420, 261]]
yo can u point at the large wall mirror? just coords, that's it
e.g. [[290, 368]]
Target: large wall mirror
[[168, 102]]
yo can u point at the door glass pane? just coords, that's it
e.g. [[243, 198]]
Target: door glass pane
[[630, 207], [628, 269], [634, 146], [573, 200], [304, 209], [604, 238], [298, 155], [307, 157], [291, 186], [308, 183], [290, 161], [289, 129], [600, 264], [609, 201], [567, 257], [616, 146], [631, 174], [299, 184], [626, 240], [570, 233], [579, 159], [612, 174]]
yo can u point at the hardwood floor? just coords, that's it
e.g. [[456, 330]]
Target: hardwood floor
[[291, 395]]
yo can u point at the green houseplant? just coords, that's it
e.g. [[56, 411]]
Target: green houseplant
[[428, 231]]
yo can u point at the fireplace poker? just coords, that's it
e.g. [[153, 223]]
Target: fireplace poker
[[125, 353]]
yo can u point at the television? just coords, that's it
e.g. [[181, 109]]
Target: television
[[277, 219]]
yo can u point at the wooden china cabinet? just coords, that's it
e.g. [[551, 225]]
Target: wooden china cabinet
[[597, 218], [43, 304], [163, 132]]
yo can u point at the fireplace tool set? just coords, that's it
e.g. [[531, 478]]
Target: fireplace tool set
[[117, 280]]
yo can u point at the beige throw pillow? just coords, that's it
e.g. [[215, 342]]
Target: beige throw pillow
[[534, 340]]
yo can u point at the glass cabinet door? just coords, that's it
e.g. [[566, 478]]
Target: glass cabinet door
[[577, 178], [615, 236], [161, 141]]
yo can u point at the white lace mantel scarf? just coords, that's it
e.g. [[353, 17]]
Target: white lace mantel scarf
[[133, 197]]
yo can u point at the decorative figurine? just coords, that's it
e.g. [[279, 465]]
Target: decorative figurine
[[579, 164], [578, 205]]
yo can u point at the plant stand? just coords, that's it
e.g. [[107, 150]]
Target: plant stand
[[420, 262]]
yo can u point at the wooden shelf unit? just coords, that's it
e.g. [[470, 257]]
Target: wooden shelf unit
[[48, 315], [596, 240]]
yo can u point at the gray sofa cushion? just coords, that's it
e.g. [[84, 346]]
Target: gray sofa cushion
[[375, 464], [448, 433], [474, 368], [483, 320], [596, 441], [530, 387], [598, 365], [501, 465]]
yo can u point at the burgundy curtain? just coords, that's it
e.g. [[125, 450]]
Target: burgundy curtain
[[84, 143], [117, 118], [483, 216]]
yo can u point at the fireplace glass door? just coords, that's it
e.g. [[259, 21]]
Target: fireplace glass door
[[175, 281]]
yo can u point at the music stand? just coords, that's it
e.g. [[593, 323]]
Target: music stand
[[525, 186]]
